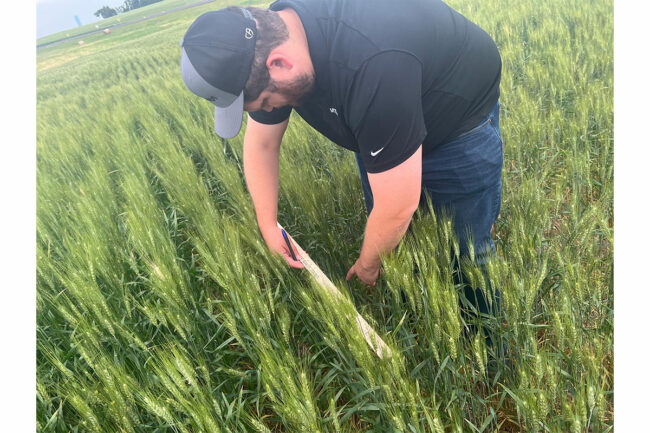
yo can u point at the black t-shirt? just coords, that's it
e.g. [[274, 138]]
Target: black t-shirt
[[393, 75]]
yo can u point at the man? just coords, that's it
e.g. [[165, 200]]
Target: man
[[412, 87]]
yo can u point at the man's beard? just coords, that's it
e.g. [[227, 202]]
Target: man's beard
[[296, 90]]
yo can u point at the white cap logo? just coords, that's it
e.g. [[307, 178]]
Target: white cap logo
[[249, 33]]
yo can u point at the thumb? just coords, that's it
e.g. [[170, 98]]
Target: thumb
[[350, 274]]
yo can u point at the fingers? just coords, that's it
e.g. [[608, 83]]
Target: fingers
[[364, 279], [293, 263], [276, 243], [287, 256], [284, 249]]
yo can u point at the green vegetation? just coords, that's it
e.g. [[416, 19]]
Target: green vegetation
[[131, 15], [160, 310]]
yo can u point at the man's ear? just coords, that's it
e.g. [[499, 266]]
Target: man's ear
[[280, 66]]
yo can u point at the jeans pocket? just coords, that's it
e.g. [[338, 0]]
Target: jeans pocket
[[496, 129], [474, 129]]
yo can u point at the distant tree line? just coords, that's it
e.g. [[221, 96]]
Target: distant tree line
[[106, 11]]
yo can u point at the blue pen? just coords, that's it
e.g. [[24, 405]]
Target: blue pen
[[286, 239]]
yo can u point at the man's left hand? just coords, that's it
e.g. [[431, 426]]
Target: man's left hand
[[366, 274]]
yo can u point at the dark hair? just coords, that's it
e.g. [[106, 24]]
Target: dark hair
[[271, 32]]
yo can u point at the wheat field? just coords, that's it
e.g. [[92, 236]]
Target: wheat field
[[159, 308]]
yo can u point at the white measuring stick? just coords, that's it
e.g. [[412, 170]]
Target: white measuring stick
[[371, 337]]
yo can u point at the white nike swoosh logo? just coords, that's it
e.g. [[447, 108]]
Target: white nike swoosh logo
[[375, 153]]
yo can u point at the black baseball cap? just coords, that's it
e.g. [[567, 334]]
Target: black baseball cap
[[217, 52]]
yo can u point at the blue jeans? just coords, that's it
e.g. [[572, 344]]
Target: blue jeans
[[463, 178]]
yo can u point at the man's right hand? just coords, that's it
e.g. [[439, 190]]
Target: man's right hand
[[261, 166], [276, 243]]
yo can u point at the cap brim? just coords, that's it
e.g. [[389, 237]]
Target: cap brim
[[227, 120]]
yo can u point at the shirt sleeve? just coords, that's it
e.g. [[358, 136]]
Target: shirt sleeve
[[277, 115], [385, 109]]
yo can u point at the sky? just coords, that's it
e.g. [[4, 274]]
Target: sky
[[53, 16]]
